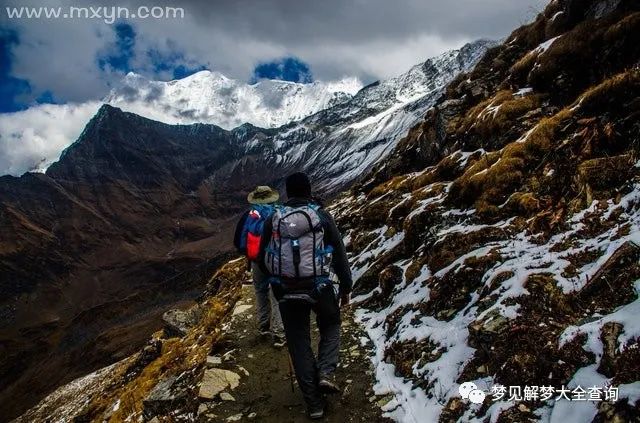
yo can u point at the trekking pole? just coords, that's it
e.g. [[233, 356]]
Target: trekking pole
[[291, 372]]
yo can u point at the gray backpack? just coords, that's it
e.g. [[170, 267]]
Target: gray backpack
[[297, 250]]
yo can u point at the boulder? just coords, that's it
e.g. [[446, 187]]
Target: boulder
[[613, 284], [214, 360], [241, 308], [482, 333], [166, 396], [215, 381], [178, 322], [225, 396], [609, 337], [389, 278]]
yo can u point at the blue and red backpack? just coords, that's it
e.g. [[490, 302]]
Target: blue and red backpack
[[252, 230]]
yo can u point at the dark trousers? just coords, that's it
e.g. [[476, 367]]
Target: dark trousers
[[296, 317]]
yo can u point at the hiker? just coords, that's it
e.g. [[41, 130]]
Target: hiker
[[247, 240], [300, 245]]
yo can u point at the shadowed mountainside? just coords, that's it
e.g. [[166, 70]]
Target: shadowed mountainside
[[97, 248]]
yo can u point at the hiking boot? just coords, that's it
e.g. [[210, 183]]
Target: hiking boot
[[264, 335], [327, 384], [316, 413], [279, 341], [264, 332]]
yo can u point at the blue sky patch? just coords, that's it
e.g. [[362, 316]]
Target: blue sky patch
[[174, 63], [14, 92], [120, 52], [285, 69]]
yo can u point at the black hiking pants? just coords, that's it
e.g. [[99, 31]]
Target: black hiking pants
[[296, 317]]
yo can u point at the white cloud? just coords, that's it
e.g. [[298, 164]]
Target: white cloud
[[34, 138]]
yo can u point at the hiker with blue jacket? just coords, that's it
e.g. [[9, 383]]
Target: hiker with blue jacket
[[299, 248], [247, 239]]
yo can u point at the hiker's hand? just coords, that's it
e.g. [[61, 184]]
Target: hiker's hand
[[344, 300]]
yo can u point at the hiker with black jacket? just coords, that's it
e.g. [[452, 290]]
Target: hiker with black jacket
[[300, 245]]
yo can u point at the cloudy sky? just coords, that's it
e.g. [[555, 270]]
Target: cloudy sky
[[66, 61]]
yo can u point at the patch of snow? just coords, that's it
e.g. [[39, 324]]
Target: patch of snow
[[543, 47], [523, 91]]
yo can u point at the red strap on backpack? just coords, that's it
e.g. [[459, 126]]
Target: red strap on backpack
[[253, 246]]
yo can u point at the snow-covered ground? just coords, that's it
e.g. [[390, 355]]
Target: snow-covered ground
[[520, 257]]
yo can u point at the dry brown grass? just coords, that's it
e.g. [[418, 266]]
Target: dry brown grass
[[474, 114], [523, 203], [520, 70], [395, 184], [494, 116], [178, 354], [587, 54], [611, 91], [628, 25], [493, 178]]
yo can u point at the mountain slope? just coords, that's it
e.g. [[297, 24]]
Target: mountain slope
[[499, 243], [168, 378], [93, 252], [340, 144]]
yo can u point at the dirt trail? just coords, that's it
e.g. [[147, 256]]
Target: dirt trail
[[264, 393]]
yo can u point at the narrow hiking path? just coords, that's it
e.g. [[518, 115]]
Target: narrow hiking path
[[264, 393]]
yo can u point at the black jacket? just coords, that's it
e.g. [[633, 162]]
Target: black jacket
[[332, 237]]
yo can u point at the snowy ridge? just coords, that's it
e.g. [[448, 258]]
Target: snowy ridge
[[340, 144], [357, 126], [211, 97]]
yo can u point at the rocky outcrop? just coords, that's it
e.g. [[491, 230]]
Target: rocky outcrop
[[178, 322], [165, 397]]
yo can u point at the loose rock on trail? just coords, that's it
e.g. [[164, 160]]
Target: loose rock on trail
[[264, 393]]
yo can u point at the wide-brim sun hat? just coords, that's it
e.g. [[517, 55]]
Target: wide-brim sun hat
[[263, 195]]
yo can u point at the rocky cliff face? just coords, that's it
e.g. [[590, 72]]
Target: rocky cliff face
[[499, 243]]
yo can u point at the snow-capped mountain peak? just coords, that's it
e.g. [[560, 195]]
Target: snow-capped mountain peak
[[211, 97]]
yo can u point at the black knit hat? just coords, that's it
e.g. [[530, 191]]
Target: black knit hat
[[298, 185]]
